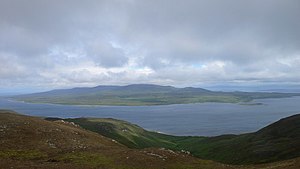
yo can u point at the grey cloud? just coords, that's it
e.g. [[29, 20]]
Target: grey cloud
[[256, 40], [272, 25], [106, 55]]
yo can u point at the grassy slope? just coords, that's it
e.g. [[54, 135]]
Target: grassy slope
[[278, 141], [29, 142], [136, 95], [275, 142]]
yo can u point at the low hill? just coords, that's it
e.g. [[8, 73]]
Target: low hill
[[276, 142], [126, 133], [142, 94]]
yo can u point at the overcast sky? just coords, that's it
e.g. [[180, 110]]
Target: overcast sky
[[47, 44]]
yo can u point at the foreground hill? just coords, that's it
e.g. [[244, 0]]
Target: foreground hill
[[30, 142], [278, 141], [143, 94]]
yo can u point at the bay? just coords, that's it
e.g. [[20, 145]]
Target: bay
[[203, 119]]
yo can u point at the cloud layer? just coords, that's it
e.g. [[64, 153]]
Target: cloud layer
[[172, 42]]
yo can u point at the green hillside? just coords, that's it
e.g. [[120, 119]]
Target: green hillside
[[31, 142], [278, 141], [143, 94]]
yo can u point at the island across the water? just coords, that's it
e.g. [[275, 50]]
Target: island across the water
[[143, 94]]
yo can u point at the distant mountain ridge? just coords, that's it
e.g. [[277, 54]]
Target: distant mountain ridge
[[143, 94], [132, 88]]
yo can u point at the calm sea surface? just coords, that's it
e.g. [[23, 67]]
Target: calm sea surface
[[205, 119]]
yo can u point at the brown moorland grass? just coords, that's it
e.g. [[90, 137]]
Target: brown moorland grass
[[30, 142]]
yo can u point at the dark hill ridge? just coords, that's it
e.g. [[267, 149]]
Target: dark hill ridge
[[142, 94], [286, 127], [278, 141]]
